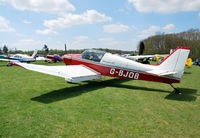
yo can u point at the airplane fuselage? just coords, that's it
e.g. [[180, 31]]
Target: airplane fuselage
[[23, 60], [120, 68]]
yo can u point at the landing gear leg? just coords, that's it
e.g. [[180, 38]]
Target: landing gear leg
[[175, 89]]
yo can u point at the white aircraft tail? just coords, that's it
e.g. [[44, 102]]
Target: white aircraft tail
[[174, 64], [34, 53]]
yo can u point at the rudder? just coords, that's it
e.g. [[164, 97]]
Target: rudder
[[34, 53], [175, 62]]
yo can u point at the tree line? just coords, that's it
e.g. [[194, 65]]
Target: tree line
[[45, 51], [162, 43]]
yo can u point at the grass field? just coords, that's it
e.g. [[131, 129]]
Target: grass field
[[38, 105]]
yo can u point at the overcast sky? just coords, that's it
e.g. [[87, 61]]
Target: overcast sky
[[114, 24]]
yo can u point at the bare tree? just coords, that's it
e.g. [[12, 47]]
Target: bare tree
[[5, 49]]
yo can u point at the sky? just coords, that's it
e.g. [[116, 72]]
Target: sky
[[84, 24]]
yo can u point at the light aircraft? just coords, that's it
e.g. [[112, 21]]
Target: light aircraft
[[53, 58], [50, 58], [3, 56], [135, 58], [145, 58], [189, 62], [196, 62], [40, 58], [20, 58], [93, 64]]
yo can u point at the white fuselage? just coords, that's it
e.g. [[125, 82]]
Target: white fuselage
[[117, 61], [22, 58]]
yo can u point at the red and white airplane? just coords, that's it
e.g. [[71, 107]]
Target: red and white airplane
[[93, 64]]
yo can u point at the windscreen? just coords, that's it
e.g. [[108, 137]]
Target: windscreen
[[95, 55]]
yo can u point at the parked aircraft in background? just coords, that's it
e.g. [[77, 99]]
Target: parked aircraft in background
[[196, 62], [188, 62], [41, 58], [53, 58], [145, 58], [3, 56], [135, 58], [20, 58], [93, 64]]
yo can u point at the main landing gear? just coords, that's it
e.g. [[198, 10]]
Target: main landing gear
[[175, 89]]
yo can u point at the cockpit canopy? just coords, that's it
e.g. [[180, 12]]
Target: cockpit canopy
[[95, 55], [17, 56]]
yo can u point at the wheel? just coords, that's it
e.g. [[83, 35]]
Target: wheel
[[177, 91]]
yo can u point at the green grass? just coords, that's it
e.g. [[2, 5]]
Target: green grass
[[38, 105]]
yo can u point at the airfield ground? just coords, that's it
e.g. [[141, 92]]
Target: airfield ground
[[38, 105]]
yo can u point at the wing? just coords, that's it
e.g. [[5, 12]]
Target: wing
[[71, 73], [2, 59], [9, 60]]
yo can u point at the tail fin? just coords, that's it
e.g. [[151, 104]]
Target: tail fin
[[34, 53], [174, 64]]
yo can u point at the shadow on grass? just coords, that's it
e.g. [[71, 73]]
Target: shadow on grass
[[3, 65], [74, 91], [187, 72], [187, 95]]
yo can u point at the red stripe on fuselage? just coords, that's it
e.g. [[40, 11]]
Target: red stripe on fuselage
[[117, 72]]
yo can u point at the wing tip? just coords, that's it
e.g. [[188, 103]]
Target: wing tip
[[16, 64]]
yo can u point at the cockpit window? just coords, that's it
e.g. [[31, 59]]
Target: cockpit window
[[95, 55], [16, 56]]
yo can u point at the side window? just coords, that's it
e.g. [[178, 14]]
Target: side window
[[85, 55]]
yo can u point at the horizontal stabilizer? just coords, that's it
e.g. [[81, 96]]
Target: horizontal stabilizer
[[71, 73], [162, 73], [167, 73]]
